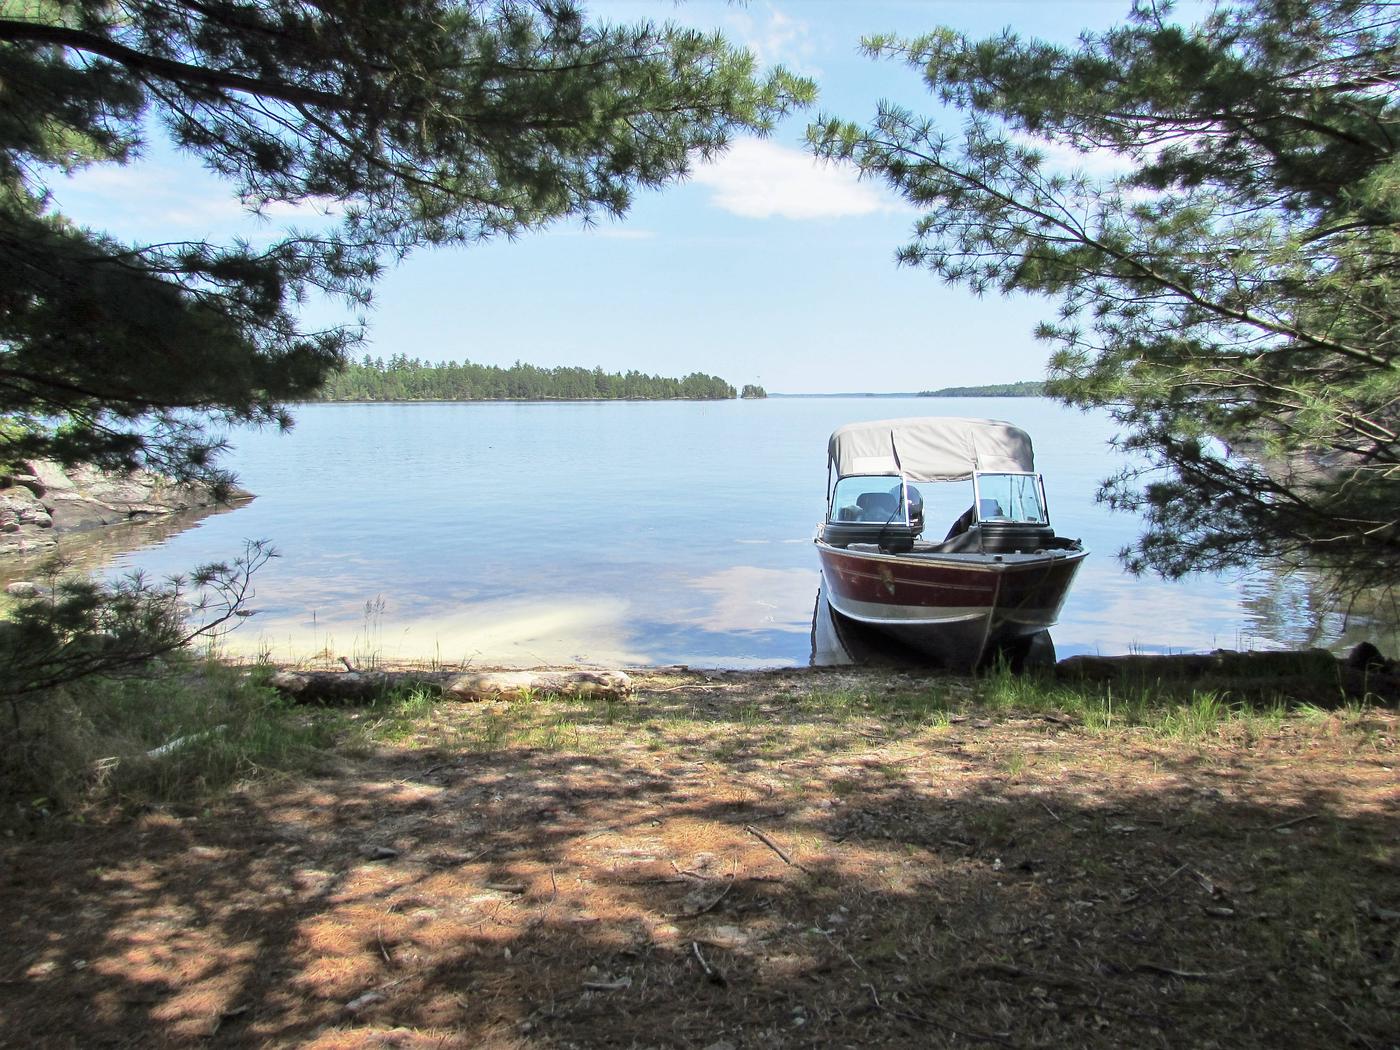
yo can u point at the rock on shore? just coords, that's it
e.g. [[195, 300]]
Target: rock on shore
[[42, 500]]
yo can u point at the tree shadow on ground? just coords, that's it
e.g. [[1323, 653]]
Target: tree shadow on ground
[[732, 882]]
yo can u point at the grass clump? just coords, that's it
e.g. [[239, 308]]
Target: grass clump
[[1177, 713], [194, 730], [917, 706]]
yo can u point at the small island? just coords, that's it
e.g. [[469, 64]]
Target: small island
[[409, 379], [1029, 388]]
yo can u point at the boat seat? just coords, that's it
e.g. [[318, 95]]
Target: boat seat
[[963, 523], [989, 508], [877, 506]]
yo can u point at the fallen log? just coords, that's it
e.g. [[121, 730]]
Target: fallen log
[[1313, 675], [493, 684], [348, 687], [363, 687], [1195, 665]]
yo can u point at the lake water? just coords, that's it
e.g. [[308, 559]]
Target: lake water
[[633, 534]]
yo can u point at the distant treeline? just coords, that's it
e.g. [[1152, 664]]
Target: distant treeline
[[1027, 389], [408, 379]]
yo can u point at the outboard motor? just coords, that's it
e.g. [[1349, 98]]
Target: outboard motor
[[900, 538], [916, 510]]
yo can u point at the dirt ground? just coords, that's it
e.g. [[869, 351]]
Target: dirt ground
[[734, 861]]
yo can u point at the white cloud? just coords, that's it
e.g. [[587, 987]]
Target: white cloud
[[759, 180], [1060, 157], [775, 38], [172, 199]]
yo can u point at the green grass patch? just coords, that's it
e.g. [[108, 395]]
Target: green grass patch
[[926, 706], [191, 732], [1177, 713]]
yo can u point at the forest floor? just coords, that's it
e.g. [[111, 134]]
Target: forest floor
[[768, 859]]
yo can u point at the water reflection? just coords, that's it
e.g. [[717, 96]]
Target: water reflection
[[1305, 610], [751, 598], [693, 549], [92, 549], [841, 642]]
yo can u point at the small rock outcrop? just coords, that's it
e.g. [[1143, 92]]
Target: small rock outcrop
[[41, 501]]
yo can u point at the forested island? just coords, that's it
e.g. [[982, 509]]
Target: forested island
[[1030, 388], [409, 379]]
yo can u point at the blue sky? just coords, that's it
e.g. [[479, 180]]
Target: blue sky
[[761, 268]]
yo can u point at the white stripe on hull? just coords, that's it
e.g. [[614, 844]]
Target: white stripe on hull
[[910, 615]]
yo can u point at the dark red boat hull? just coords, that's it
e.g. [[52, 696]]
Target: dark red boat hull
[[955, 608]]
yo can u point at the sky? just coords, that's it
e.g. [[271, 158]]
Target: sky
[[764, 267]]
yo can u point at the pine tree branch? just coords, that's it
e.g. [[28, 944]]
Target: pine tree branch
[[167, 69]]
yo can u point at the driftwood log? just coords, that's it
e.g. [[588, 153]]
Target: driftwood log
[[1196, 665], [1313, 674], [362, 687], [492, 684]]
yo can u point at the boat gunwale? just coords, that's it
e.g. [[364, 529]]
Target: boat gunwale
[[977, 561]]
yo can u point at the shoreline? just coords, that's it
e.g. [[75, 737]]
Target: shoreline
[[1309, 676]]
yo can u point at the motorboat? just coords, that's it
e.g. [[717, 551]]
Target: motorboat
[[991, 587]]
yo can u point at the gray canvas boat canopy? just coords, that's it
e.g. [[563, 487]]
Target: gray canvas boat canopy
[[934, 448]]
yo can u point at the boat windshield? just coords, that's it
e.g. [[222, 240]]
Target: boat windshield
[[1011, 497], [874, 498]]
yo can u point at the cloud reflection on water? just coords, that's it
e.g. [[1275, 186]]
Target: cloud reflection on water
[[751, 598]]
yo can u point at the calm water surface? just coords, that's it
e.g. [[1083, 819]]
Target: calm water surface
[[633, 533]]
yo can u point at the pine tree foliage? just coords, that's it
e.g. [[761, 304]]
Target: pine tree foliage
[[75, 628], [422, 122], [1229, 292]]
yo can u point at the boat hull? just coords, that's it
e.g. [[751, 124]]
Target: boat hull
[[956, 609]]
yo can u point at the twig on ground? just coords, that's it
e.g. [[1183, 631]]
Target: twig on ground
[[506, 887], [1188, 975], [1169, 878], [844, 950], [966, 1033], [773, 846], [723, 893], [433, 769], [711, 973], [1015, 972], [379, 935], [1369, 1045], [454, 859], [1059, 819], [608, 986], [1289, 823]]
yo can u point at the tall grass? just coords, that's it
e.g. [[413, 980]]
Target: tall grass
[[1176, 713], [195, 730]]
